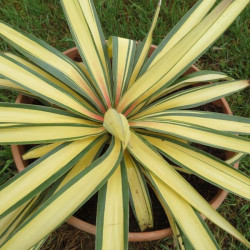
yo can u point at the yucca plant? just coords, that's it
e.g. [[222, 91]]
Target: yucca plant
[[113, 127]]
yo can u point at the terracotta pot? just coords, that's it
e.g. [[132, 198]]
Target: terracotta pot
[[17, 151]]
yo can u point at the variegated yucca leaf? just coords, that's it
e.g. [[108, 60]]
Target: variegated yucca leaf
[[181, 215], [182, 55], [115, 123], [123, 53], [113, 211], [139, 195]]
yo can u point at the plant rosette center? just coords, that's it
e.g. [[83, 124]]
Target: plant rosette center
[[117, 125]]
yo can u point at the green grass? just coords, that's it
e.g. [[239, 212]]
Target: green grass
[[131, 19]]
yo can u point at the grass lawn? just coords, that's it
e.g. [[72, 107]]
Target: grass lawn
[[131, 19]]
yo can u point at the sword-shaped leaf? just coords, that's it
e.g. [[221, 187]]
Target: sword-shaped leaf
[[199, 134], [143, 48], [182, 28], [193, 78], [42, 87], [46, 133], [31, 181], [195, 96], [35, 114], [182, 55], [16, 217], [221, 122], [206, 166], [7, 84], [50, 215], [198, 234], [86, 30], [10, 222], [113, 212], [123, 51], [40, 150], [147, 155], [139, 194], [6, 221], [51, 60], [49, 77]]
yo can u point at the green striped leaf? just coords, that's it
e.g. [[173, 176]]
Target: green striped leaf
[[182, 28], [139, 195], [193, 78], [113, 212], [93, 154], [159, 135], [50, 78], [51, 60], [19, 215], [87, 33], [195, 96], [30, 181], [40, 150], [199, 134], [182, 55], [203, 76], [184, 215], [7, 84], [123, 51], [83, 163], [147, 155], [50, 215], [143, 48], [35, 114], [7, 221], [44, 88], [221, 122], [84, 69], [46, 133], [204, 165]]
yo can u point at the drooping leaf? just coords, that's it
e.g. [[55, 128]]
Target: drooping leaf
[[31, 181], [43, 221], [139, 194], [147, 155], [204, 165]]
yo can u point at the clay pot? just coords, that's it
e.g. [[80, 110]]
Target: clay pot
[[17, 152]]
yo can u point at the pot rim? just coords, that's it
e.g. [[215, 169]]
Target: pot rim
[[18, 150]]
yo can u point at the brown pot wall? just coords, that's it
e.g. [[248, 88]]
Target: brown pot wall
[[17, 152]]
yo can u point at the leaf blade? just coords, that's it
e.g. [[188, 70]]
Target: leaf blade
[[59, 65], [198, 134], [139, 194], [205, 166], [217, 121], [99, 171], [91, 45], [151, 160]]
